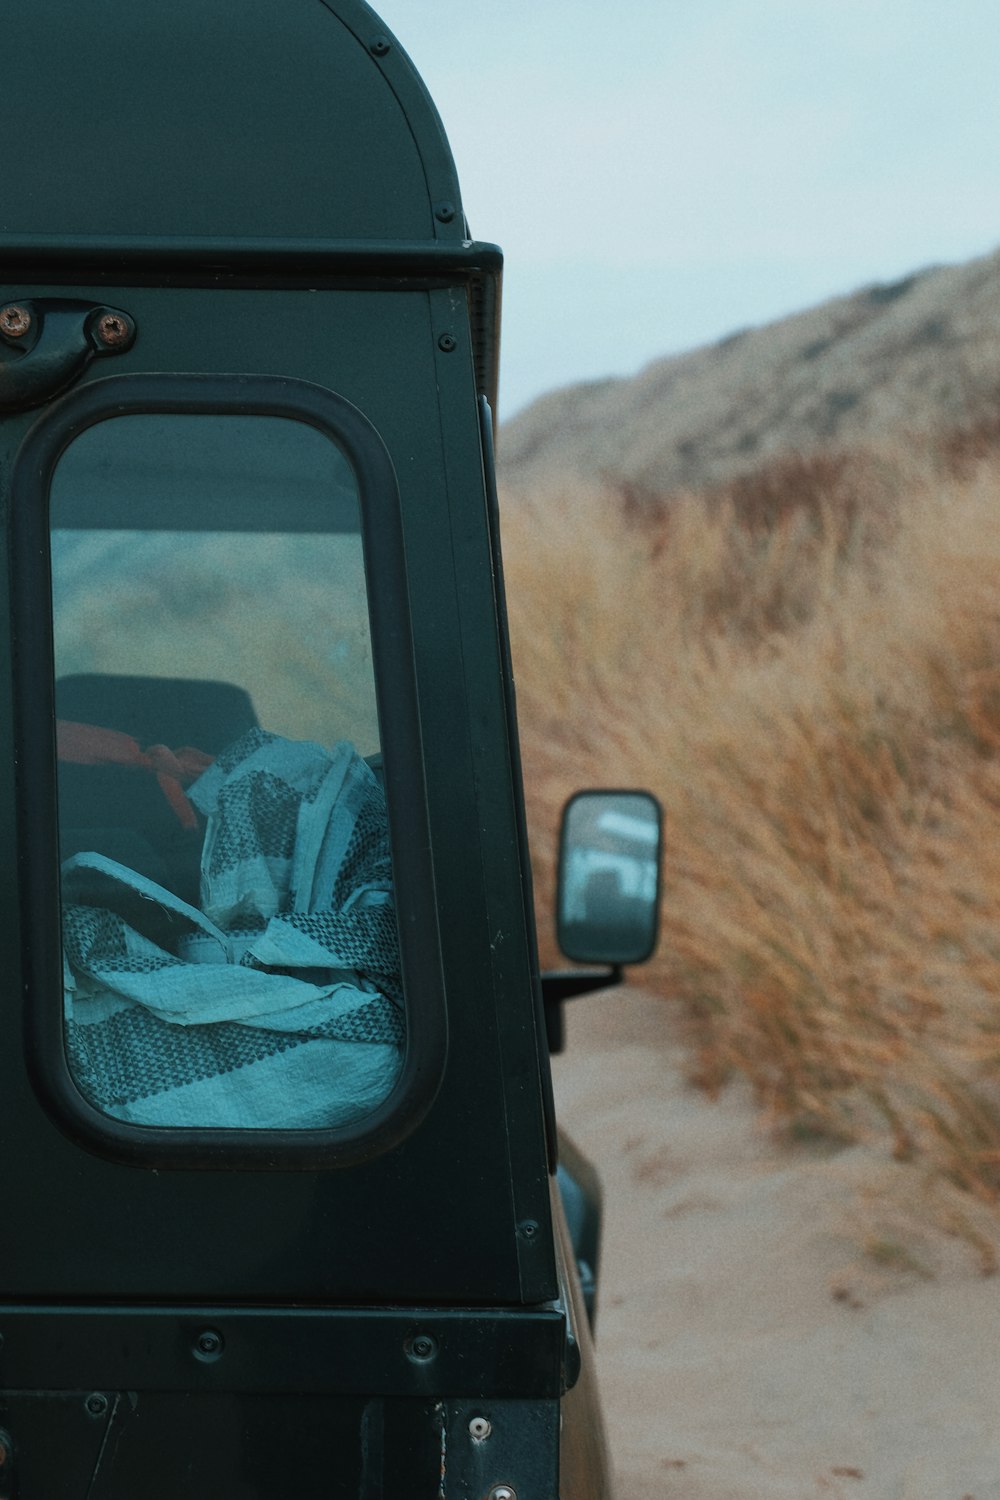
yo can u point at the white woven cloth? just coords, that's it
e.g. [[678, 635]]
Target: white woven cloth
[[278, 1003]]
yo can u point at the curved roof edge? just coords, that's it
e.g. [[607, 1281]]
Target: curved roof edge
[[292, 120]]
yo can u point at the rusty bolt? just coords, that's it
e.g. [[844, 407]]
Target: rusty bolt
[[15, 321], [113, 330]]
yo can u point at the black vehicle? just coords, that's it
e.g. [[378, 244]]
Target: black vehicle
[[278, 1180]]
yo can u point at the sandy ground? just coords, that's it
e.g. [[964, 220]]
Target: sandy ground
[[775, 1323]]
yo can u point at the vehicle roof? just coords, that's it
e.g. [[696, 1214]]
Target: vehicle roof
[[251, 118]]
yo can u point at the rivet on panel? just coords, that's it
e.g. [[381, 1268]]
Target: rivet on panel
[[115, 330], [421, 1348], [15, 321], [208, 1346]]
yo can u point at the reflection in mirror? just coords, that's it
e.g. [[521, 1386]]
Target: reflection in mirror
[[229, 933], [609, 866]]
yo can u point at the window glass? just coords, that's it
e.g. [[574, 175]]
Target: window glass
[[230, 944]]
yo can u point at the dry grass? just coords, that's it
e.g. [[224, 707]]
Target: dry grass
[[806, 670]]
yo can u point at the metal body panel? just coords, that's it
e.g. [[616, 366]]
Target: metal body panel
[[83, 1227], [496, 1353], [584, 1459], [220, 103], [264, 188], [114, 1445]]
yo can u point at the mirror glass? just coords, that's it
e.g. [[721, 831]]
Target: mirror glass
[[609, 864]]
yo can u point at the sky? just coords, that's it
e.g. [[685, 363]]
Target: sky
[[661, 173]]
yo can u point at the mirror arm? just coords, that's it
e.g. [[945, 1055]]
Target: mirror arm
[[563, 984]]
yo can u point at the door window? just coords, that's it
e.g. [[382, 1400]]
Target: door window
[[230, 945]]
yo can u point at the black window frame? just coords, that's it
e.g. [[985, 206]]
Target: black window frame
[[426, 1045]]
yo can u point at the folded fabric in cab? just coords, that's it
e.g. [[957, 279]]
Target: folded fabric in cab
[[276, 1004]]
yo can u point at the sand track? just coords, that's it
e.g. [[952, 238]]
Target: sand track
[[750, 1348]]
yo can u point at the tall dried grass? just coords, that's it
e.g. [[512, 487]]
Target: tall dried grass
[[806, 669]]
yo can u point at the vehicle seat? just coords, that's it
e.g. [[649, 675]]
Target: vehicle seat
[[121, 812], [159, 710]]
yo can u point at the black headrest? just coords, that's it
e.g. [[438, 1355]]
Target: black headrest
[[172, 711]]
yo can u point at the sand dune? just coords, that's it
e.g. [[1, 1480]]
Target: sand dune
[[759, 1338], [895, 361]]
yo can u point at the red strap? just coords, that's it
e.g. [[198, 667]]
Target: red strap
[[91, 745], [88, 745]]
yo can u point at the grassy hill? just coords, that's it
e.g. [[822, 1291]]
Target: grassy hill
[[803, 662], [908, 359]]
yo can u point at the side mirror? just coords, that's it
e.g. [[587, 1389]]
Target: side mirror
[[609, 877]]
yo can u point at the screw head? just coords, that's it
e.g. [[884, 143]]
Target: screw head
[[421, 1348], [480, 1429], [96, 1404], [208, 1345], [447, 343], [15, 320], [114, 330], [380, 45], [528, 1229], [502, 1492]]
